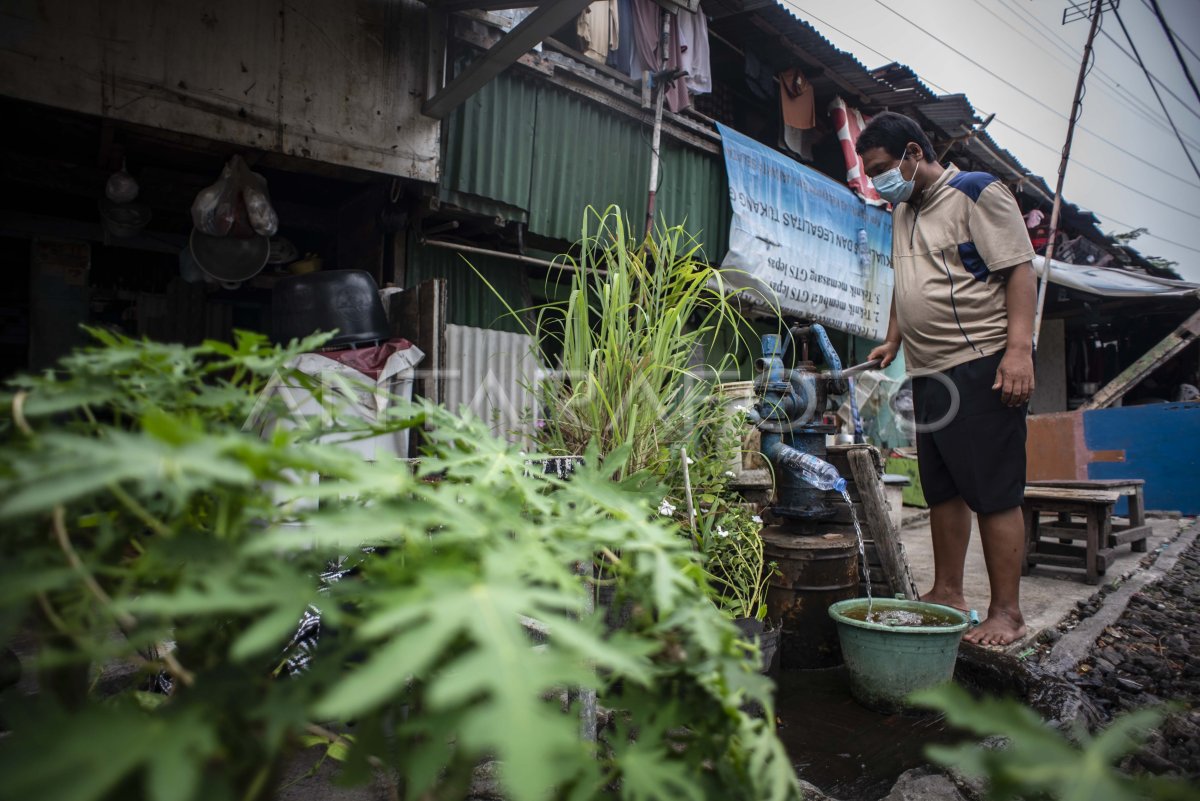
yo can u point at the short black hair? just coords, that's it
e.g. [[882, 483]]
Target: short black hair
[[893, 132]]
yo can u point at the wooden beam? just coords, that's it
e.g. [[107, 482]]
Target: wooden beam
[[1071, 494], [452, 6], [1151, 360], [539, 25], [879, 522]]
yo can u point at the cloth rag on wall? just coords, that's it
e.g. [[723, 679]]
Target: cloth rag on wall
[[693, 45], [598, 29], [647, 33], [849, 123], [621, 50], [796, 99]]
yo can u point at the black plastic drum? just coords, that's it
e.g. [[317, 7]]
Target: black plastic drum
[[346, 300]]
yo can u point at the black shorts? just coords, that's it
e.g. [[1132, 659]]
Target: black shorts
[[975, 450]]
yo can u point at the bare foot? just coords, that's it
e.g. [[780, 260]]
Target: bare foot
[[1001, 628], [945, 599]]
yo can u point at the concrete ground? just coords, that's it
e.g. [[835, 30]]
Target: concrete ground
[[1046, 598]]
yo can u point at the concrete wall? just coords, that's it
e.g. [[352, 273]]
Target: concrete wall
[[338, 81], [1050, 380]]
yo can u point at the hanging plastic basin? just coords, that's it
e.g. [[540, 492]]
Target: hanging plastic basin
[[887, 663]]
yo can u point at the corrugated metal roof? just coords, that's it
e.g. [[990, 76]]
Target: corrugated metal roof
[[897, 86]]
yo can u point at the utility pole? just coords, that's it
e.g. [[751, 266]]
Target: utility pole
[[1070, 14]]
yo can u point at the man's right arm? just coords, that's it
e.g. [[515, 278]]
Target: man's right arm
[[886, 352]]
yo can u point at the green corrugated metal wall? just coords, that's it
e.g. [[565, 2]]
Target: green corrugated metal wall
[[469, 301], [489, 142], [549, 154], [695, 191]]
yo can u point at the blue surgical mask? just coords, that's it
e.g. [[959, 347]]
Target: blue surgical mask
[[892, 186]]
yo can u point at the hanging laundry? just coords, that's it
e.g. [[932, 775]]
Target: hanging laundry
[[597, 28], [693, 44], [759, 78], [621, 50], [801, 140], [647, 33], [849, 123], [796, 98]]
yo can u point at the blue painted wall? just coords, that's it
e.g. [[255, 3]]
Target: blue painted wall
[[1162, 445]]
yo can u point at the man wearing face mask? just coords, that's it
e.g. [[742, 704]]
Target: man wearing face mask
[[962, 308]]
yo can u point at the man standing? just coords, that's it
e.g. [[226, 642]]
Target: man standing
[[963, 308]]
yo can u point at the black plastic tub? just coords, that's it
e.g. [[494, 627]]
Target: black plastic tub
[[345, 300]]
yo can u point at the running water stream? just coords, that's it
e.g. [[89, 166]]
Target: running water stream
[[862, 551]]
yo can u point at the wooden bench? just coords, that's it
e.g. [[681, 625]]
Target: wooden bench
[[1136, 530], [1054, 545]]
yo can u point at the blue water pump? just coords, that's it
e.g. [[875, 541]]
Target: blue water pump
[[792, 402]]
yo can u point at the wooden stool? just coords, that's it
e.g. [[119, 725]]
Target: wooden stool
[[1095, 506], [1136, 531]]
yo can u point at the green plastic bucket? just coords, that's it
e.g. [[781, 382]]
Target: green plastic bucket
[[887, 663]]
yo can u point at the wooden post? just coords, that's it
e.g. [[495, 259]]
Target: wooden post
[[879, 522]]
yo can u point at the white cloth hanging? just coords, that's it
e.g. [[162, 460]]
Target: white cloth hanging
[[695, 59]]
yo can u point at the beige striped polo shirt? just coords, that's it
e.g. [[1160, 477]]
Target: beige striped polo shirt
[[949, 255]]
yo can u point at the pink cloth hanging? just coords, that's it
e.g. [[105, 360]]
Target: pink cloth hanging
[[850, 123]]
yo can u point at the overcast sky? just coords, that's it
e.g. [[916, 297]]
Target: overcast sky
[[1024, 43]]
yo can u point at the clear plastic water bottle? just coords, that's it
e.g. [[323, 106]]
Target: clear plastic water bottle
[[818, 472], [864, 249]]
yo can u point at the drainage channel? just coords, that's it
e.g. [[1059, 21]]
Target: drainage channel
[[846, 750]]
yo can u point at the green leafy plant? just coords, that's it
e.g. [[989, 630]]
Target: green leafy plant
[[630, 335], [1040, 762], [638, 317], [729, 538], [145, 525]]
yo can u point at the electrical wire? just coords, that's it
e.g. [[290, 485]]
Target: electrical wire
[[1022, 92], [1182, 144], [1186, 46], [1065, 44], [1022, 133], [1171, 38], [1154, 79], [858, 42], [1131, 98], [1064, 56], [1147, 234], [1100, 173]]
